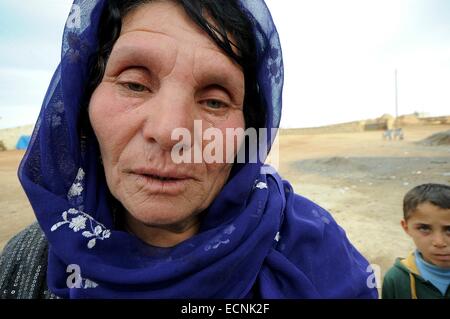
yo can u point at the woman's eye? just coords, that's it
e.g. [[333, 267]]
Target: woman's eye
[[136, 87], [215, 104]]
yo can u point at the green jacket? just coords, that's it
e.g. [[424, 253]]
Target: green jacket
[[403, 281]]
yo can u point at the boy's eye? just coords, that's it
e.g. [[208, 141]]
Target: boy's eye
[[424, 228], [136, 87]]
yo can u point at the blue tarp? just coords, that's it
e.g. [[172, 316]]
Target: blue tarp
[[22, 142]]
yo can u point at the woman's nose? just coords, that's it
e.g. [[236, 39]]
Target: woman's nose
[[167, 114]]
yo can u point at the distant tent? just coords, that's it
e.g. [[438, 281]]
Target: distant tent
[[22, 142]]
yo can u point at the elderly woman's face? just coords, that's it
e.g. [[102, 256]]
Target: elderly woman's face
[[163, 73]]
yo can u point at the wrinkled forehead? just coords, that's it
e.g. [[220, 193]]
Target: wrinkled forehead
[[167, 18], [162, 31]]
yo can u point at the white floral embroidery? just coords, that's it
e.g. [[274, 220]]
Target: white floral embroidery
[[75, 190], [261, 185], [78, 223], [56, 120], [99, 232], [80, 174], [216, 244], [274, 66], [219, 240], [59, 107], [77, 187], [74, 19], [277, 237], [89, 284], [230, 229]]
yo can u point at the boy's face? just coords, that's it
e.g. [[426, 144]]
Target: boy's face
[[429, 227]]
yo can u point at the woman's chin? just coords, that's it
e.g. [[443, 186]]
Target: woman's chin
[[161, 215]]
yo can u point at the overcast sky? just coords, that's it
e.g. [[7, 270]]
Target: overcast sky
[[339, 57]]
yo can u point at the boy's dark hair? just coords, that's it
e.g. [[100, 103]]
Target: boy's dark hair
[[436, 194]]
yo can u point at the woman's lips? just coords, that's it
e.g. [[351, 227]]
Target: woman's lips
[[168, 183], [168, 174]]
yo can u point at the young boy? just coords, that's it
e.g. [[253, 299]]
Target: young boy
[[426, 272]]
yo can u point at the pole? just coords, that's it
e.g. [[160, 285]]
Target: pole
[[396, 95]]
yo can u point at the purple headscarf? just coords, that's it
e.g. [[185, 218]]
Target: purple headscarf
[[257, 238]]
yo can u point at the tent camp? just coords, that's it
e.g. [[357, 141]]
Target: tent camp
[[22, 142]]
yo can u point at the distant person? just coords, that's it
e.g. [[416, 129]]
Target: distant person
[[425, 273], [387, 135], [119, 217], [398, 134]]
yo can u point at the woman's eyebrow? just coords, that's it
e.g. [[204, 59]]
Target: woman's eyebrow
[[140, 49], [219, 70], [216, 78], [133, 55]]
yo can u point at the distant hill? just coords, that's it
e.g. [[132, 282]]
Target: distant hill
[[441, 138], [384, 122]]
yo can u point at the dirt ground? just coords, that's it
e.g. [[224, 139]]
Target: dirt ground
[[359, 177], [16, 212]]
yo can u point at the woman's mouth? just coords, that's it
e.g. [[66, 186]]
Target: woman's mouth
[[162, 178], [167, 183]]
